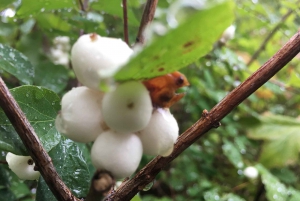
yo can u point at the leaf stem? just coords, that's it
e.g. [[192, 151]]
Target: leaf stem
[[33, 144]]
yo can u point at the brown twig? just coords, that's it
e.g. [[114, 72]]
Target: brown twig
[[33, 145], [83, 5], [147, 17], [269, 36], [3, 162], [211, 119], [125, 20]]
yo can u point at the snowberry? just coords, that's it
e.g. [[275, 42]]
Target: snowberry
[[251, 172], [161, 133], [22, 166], [128, 108], [80, 118], [94, 57], [119, 154], [228, 34]]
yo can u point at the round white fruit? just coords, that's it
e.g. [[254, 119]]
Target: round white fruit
[[119, 154], [22, 166], [251, 172], [94, 57], [161, 133], [128, 108], [228, 34], [80, 118]]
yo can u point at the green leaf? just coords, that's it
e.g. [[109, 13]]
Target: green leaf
[[233, 154], [181, 46], [40, 107], [16, 63], [294, 194], [232, 197], [274, 188], [51, 21], [29, 8], [282, 139], [5, 185], [5, 3], [20, 189], [72, 168], [53, 77]]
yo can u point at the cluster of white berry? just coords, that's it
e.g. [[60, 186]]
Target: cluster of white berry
[[59, 52], [122, 122]]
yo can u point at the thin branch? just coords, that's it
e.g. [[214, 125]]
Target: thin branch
[[3, 162], [33, 145], [148, 16], [125, 20], [210, 120], [269, 36], [83, 5]]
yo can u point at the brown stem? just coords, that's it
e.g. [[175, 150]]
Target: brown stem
[[33, 145], [269, 36], [125, 20], [83, 5], [148, 16], [3, 162], [211, 119]]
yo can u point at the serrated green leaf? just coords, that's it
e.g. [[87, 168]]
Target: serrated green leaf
[[50, 76], [233, 154], [181, 46], [40, 106], [29, 8], [15, 63], [282, 135], [274, 188], [72, 168]]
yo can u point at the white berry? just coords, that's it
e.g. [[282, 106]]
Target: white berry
[[94, 57], [251, 172], [22, 166], [80, 118], [119, 154], [128, 108], [228, 34], [161, 133]]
